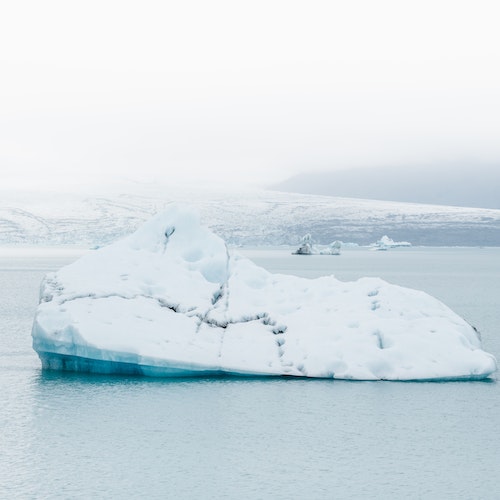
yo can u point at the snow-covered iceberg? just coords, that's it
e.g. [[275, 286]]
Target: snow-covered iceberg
[[385, 243], [171, 300], [308, 248]]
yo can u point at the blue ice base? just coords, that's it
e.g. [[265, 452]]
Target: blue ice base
[[71, 363]]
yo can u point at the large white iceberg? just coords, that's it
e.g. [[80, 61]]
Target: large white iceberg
[[171, 299]]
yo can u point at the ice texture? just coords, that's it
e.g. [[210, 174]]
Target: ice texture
[[171, 300]]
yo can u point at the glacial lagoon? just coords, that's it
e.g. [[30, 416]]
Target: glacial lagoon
[[72, 436]]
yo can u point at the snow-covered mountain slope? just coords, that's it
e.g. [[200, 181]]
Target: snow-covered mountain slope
[[248, 217]]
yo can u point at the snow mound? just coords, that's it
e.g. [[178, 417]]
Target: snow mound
[[171, 300]]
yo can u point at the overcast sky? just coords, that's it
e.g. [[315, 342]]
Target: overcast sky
[[246, 91]]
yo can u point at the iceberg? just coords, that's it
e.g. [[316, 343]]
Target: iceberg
[[172, 300], [308, 248], [385, 243], [332, 249]]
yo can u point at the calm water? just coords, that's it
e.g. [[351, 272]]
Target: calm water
[[70, 436]]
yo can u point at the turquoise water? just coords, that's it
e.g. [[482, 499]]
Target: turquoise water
[[71, 436]]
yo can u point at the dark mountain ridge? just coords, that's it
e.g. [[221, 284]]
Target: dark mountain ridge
[[455, 185]]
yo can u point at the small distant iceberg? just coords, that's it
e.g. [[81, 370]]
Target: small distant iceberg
[[385, 243], [172, 300], [308, 248]]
